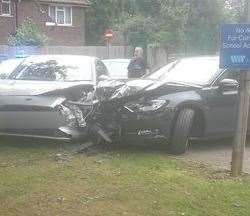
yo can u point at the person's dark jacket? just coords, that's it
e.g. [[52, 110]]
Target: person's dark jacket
[[137, 68]]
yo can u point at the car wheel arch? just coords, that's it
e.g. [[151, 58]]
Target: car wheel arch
[[199, 122]]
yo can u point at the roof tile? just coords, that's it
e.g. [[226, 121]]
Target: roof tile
[[77, 2]]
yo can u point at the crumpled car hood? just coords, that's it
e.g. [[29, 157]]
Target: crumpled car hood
[[110, 89], [121, 89], [33, 88]]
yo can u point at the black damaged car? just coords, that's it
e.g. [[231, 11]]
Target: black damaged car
[[188, 99]]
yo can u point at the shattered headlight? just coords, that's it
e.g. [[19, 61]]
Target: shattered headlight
[[145, 106], [68, 115], [72, 115], [78, 114]]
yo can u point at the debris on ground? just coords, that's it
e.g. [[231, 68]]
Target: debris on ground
[[99, 161], [60, 199], [62, 157], [237, 205], [84, 147], [90, 148]]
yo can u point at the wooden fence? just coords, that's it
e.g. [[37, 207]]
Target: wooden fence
[[156, 57], [98, 51]]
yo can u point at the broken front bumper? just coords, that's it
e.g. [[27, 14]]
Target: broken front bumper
[[64, 133], [41, 117], [153, 125]]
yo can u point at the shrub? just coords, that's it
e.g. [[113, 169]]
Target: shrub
[[28, 34]]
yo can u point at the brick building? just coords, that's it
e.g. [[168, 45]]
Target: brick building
[[63, 21]]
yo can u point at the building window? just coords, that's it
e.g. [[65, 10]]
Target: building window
[[61, 15], [6, 8]]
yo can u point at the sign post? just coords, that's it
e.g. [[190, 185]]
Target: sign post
[[109, 34], [235, 54], [241, 131]]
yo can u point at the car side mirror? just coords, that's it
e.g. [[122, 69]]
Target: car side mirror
[[228, 85]]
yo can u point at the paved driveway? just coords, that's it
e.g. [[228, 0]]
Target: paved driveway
[[216, 153]]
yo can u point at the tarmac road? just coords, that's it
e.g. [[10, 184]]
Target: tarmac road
[[216, 153]]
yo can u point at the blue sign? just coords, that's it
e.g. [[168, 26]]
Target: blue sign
[[235, 46]]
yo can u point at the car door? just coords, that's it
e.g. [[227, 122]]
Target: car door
[[222, 106]]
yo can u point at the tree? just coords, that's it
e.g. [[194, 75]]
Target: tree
[[28, 34], [203, 24], [105, 14], [160, 22], [175, 25], [237, 9]]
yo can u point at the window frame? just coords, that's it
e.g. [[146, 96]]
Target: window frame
[[9, 4], [56, 8]]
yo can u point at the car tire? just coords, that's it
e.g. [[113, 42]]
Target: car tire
[[182, 128]]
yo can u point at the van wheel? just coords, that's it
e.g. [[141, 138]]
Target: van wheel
[[183, 125]]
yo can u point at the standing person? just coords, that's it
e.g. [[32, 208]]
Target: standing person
[[137, 66]]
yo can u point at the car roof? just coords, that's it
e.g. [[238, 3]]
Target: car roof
[[36, 57], [201, 57], [116, 60]]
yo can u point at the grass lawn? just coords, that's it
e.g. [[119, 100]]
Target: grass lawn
[[130, 181]]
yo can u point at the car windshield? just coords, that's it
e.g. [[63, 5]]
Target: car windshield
[[7, 67], [198, 71], [117, 69], [160, 72], [61, 68]]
